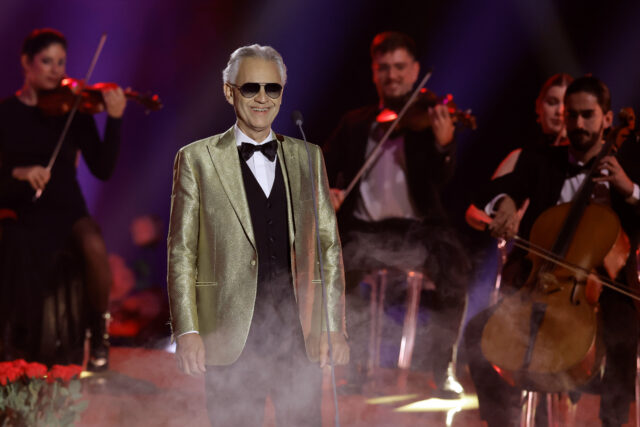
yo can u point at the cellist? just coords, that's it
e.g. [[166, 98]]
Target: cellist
[[552, 177]]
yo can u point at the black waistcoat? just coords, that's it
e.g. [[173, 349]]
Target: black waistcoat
[[275, 309]]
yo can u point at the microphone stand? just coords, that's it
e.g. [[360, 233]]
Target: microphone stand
[[297, 118]]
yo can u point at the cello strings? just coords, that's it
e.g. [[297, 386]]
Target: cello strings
[[550, 256]]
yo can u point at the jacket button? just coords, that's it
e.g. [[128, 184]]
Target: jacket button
[[253, 262]]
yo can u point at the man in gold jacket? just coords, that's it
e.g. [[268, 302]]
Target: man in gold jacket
[[244, 281]]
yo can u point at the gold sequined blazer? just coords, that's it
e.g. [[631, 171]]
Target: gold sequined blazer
[[212, 258]]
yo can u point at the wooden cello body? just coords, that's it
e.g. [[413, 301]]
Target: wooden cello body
[[546, 336]]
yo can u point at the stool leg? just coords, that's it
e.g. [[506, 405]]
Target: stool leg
[[382, 290], [414, 285], [373, 328], [529, 411], [377, 314], [451, 382], [551, 409], [571, 412]]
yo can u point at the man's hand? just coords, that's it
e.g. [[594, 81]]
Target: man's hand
[[441, 124], [337, 197], [37, 176], [506, 221], [319, 348], [617, 177], [339, 346], [190, 354]]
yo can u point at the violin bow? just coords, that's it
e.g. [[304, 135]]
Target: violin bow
[[373, 156], [73, 111]]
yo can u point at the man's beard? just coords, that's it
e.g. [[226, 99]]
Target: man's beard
[[582, 140]]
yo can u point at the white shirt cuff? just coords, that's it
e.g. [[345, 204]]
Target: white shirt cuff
[[634, 198], [490, 208]]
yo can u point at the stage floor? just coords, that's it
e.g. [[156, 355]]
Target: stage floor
[[145, 388]]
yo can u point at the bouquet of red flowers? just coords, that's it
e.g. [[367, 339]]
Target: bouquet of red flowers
[[32, 395]]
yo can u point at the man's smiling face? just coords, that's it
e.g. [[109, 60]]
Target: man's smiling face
[[256, 114]]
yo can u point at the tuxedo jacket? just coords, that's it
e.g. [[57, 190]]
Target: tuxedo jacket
[[539, 175], [212, 256], [428, 168]]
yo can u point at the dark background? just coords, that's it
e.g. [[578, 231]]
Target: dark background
[[491, 55]]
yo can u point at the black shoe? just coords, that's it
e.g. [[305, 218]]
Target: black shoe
[[99, 345]]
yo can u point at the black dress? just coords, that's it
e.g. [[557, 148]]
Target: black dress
[[41, 308]]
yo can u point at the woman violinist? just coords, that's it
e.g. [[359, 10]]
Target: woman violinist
[[50, 242], [549, 178]]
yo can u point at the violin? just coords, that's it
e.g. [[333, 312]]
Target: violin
[[59, 101], [416, 117]]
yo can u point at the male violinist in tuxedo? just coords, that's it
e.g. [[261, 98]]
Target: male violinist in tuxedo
[[244, 281], [394, 219], [550, 177]]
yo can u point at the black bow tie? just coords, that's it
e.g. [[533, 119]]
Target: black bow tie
[[269, 149], [574, 169]]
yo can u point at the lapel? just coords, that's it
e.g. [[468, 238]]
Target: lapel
[[288, 156], [224, 155]]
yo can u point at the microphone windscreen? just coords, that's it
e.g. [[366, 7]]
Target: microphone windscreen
[[296, 116]]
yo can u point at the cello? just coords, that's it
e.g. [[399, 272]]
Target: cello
[[547, 336]]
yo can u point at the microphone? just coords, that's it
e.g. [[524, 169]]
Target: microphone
[[296, 117]]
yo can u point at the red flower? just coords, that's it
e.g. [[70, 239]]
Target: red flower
[[35, 370], [64, 373], [4, 367], [20, 364], [75, 370], [11, 371]]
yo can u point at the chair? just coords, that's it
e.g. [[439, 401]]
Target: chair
[[416, 282]]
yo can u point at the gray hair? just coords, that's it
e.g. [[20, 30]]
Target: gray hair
[[267, 53]]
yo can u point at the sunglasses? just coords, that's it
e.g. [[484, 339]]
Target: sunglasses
[[249, 90]]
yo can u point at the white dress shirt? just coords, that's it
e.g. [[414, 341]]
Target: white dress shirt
[[262, 168], [384, 191]]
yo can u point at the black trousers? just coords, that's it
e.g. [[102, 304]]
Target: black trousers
[[399, 245], [499, 401], [273, 363]]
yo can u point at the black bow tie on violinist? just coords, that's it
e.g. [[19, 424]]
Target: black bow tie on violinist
[[574, 169], [269, 149]]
